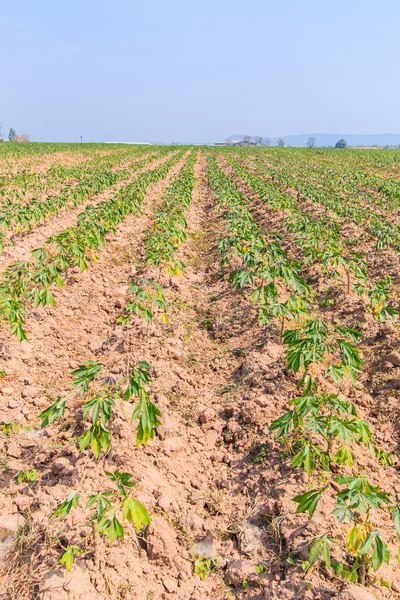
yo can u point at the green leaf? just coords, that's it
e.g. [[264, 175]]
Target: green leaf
[[343, 456], [315, 551], [396, 518], [53, 412], [84, 374], [367, 544], [85, 439], [134, 512], [309, 500], [326, 552], [95, 444], [65, 507], [68, 557], [110, 527], [380, 554]]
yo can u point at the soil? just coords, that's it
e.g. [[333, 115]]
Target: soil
[[213, 478]]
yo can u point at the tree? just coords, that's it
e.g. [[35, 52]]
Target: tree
[[311, 142], [281, 142], [258, 140], [341, 144], [11, 134], [266, 141]]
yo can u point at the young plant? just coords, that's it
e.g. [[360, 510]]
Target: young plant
[[69, 555], [314, 342], [25, 476], [330, 417], [99, 396], [355, 502], [203, 566], [105, 514], [148, 300]]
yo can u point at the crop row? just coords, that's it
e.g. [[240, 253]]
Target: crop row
[[100, 395], [162, 240], [320, 430], [27, 283], [322, 243], [341, 195], [19, 217]]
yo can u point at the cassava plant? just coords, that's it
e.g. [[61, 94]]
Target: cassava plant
[[107, 511], [356, 502], [148, 301], [99, 394]]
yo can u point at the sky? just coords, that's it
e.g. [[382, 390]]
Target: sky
[[182, 71]]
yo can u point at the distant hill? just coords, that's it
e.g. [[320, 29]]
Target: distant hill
[[330, 139]]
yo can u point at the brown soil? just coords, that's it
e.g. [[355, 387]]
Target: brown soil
[[212, 478], [26, 242]]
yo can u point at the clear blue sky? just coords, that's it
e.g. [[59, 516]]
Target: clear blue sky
[[198, 71]]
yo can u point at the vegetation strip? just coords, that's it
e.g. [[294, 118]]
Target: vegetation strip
[[30, 282]]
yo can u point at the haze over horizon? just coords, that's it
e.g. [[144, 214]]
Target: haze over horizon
[[182, 73]]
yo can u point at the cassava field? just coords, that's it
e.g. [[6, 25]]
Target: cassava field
[[200, 375]]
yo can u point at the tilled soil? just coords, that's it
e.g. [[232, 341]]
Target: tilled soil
[[42, 162], [29, 240], [213, 479]]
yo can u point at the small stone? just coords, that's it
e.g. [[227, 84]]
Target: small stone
[[163, 432], [264, 400], [195, 523], [220, 562], [96, 347], [394, 358], [7, 391], [250, 538], [207, 415], [12, 403], [356, 592], [229, 411], [173, 445], [69, 471], [238, 570], [28, 443], [164, 502], [13, 450], [170, 584], [212, 438], [387, 328], [59, 465], [123, 290], [175, 353], [29, 391], [184, 567], [387, 365], [4, 350], [26, 347], [9, 525]]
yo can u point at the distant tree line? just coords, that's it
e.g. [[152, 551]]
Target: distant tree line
[[266, 141], [311, 142]]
